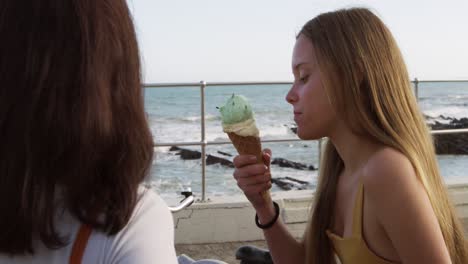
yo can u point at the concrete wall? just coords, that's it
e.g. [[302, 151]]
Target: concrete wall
[[231, 219]]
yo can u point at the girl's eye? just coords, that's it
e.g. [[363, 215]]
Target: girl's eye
[[304, 79]]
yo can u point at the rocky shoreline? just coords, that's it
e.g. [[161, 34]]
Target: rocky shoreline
[[453, 144], [445, 144], [285, 183]]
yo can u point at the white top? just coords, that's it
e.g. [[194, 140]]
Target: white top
[[147, 238]]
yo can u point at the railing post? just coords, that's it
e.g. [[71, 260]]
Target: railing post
[[416, 88], [203, 138]]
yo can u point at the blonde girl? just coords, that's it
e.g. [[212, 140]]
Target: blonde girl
[[380, 196]]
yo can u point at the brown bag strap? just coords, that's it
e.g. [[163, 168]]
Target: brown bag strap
[[80, 244]]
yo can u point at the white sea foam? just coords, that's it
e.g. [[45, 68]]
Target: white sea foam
[[449, 111], [275, 131], [208, 117]]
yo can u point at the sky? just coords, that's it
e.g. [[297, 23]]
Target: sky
[[252, 40]]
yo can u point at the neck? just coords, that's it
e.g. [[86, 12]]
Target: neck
[[354, 150]]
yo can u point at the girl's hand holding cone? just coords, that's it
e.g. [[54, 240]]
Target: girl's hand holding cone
[[254, 178]]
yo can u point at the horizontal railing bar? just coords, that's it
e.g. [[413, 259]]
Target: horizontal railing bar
[[439, 81], [211, 143], [197, 84], [173, 85], [247, 83], [263, 141], [450, 131], [177, 144], [167, 85]]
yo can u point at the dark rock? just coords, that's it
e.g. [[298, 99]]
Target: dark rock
[[174, 148], [187, 154], [296, 180], [288, 183], [453, 124], [291, 164], [210, 160], [455, 144], [446, 117], [282, 184], [224, 153]]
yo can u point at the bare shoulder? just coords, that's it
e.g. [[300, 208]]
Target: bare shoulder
[[388, 168], [395, 194]]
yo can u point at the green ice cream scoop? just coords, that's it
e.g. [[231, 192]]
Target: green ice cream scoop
[[237, 109]]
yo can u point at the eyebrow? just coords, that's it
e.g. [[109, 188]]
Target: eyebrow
[[296, 67]]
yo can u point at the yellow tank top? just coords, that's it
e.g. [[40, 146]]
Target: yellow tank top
[[354, 250]]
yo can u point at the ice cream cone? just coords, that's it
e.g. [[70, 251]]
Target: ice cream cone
[[239, 123], [249, 145]]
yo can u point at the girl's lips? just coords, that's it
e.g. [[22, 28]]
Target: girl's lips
[[296, 116]]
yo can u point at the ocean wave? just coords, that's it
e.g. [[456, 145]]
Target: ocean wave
[[184, 119], [450, 111], [275, 131], [458, 97]]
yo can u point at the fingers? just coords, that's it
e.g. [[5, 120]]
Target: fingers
[[253, 180], [253, 183], [250, 170], [267, 156], [256, 189], [244, 160]]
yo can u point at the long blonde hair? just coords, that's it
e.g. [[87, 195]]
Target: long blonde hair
[[368, 84]]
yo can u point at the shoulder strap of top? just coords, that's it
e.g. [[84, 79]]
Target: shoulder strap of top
[[357, 213], [80, 243]]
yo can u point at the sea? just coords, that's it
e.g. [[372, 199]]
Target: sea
[[174, 114]]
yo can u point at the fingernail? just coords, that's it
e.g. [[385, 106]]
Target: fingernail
[[253, 158]]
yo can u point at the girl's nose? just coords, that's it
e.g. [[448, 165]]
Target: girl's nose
[[291, 97]]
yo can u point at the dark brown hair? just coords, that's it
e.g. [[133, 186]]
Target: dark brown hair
[[72, 120]]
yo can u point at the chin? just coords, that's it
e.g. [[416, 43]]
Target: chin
[[308, 135]]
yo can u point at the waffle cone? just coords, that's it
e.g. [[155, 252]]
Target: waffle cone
[[249, 145]]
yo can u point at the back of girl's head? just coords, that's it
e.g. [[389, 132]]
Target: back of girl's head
[[72, 121], [368, 85]]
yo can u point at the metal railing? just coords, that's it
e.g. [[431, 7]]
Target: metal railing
[[203, 143]]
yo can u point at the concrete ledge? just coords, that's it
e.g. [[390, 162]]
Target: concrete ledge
[[231, 219], [459, 196]]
